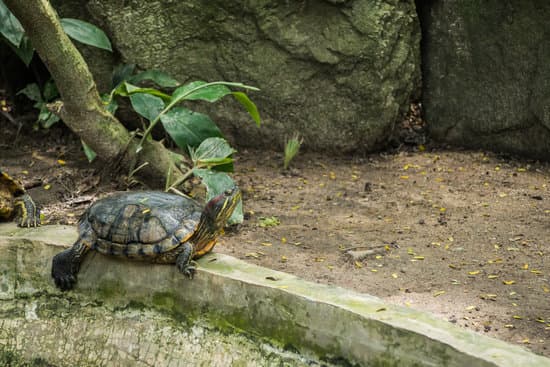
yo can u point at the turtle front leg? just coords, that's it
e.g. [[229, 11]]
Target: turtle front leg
[[27, 214], [183, 261], [66, 264]]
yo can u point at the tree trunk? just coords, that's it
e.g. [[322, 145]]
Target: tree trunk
[[82, 110]]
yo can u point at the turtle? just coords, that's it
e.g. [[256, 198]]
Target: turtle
[[153, 226], [16, 204]]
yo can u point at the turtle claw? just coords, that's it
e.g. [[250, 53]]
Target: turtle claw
[[65, 283], [62, 271], [188, 270]]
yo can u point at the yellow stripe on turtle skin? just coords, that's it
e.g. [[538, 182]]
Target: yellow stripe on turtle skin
[[205, 249]]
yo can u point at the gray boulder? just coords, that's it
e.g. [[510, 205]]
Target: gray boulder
[[486, 74], [340, 73]]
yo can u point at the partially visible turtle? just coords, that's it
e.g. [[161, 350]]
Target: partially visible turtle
[[149, 225], [16, 204]]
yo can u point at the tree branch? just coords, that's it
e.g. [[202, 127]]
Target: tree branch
[[83, 111]]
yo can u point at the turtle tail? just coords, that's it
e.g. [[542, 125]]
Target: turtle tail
[[66, 264]]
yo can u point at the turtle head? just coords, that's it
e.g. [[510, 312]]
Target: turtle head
[[219, 208]]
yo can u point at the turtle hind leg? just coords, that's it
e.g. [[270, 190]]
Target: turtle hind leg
[[183, 261], [27, 214], [66, 264]]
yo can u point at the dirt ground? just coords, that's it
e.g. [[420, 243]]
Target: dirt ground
[[464, 235]]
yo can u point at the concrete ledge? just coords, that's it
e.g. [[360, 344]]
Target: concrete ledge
[[324, 322]]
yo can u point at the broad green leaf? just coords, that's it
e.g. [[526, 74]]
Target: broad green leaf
[[160, 78], [183, 91], [110, 104], [50, 92], [212, 148], [188, 128], [210, 93], [127, 89], [213, 153], [49, 119], [10, 26], [25, 51], [216, 183], [249, 105], [86, 33], [200, 90], [90, 154], [147, 105], [32, 92], [122, 73]]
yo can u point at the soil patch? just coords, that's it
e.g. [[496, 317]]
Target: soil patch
[[464, 235]]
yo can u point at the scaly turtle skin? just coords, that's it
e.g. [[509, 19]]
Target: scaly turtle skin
[[149, 225], [16, 204]]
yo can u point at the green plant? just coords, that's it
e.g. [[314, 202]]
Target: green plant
[[12, 31], [14, 34], [41, 98], [291, 149], [195, 133]]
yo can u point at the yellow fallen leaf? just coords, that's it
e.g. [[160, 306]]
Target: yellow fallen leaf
[[61, 162], [546, 289], [492, 276], [283, 240], [47, 187], [438, 293], [418, 258], [358, 264], [525, 266], [284, 259], [378, 257], [404, 177], [509, 326], [267, 244], [526, 341], [475, 272], [374, 270], [394, 275], [508, 282], [145, 211], [469, 308], [319, 259], [517, 317], [541, 320], [421, 148]]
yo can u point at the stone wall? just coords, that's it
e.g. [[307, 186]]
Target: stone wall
[[340, 73], [486, 74]]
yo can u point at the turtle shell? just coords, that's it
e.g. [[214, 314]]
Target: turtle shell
[[145, 223]]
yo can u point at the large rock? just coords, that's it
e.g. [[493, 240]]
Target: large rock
[[486, 72], [338, 72]]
